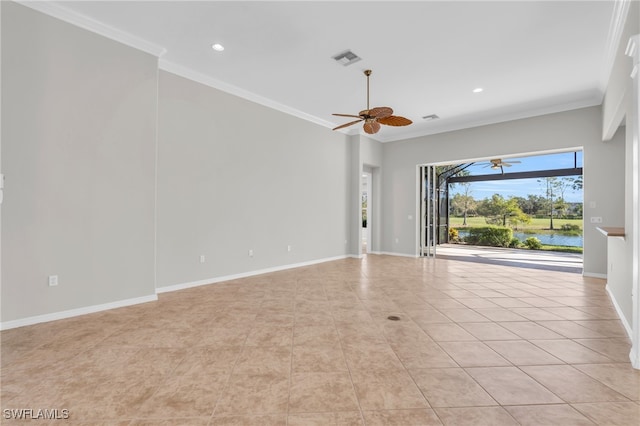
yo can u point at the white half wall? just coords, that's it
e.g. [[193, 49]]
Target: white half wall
[[78, 145], [603, 171]]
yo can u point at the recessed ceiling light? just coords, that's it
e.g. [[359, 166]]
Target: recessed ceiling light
[[478, 90], [217, 47]]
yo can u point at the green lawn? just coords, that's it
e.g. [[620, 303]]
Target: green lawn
[[536, 224]]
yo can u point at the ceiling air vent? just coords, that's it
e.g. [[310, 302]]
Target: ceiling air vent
[[346, 58], [430, 117]]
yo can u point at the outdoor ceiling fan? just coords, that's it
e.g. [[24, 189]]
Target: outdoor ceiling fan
[[374, 117], [497, 163]]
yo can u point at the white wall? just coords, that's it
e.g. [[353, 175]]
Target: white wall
[[618, 109], [78, 144], [235, 176], [603, 171]]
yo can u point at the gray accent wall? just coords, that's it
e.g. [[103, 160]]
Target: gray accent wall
[[78, 145], [603, 171], [235, 176]]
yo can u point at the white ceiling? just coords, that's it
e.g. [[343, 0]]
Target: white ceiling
[[426, 56]]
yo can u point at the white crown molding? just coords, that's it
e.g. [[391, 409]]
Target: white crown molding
[[58, 11], [196, 76], [471, 121], [618, 19], [75, 312]]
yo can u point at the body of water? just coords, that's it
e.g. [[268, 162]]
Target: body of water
[[550, 239]]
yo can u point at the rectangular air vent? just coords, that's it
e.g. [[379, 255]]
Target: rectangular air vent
[[346, 58], [431, 117]]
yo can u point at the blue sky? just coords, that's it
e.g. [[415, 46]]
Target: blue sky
[[521, 187]]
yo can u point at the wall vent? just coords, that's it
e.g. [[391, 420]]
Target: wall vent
[[346, 58], [431, 117]]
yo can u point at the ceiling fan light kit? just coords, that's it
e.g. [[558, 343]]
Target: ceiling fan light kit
[[374, 117]]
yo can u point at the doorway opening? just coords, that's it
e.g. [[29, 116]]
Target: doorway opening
[[526, 203], [366, 211]]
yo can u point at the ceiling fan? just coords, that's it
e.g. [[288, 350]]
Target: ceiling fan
[[497, 163], [374, 117]]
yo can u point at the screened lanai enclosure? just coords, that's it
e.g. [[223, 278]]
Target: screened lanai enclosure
[[436, 182]]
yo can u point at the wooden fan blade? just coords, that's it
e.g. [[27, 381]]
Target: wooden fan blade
[[371, 127], [347, 125], [347, 115], [380, 112], [395, 120]]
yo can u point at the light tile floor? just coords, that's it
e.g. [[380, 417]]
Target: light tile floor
[[476, 344]]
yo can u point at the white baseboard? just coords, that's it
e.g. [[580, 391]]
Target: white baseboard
[[624, 321], [76, 312], [152, 298], [634, 356], [594, 275], [183, 286], [390, 253]]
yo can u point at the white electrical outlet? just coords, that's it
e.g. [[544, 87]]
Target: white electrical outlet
[[289, 249], [596, 219], [250, 253], [202, 258], [53, 280]]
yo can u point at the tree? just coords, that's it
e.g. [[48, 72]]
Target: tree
[[561, 186], [464, 202], [561, 206], [577, 183], [519, 217], [549, 186], [532, 204], [497, 209]]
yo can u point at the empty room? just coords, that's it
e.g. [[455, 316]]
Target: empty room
[[224, 212]]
